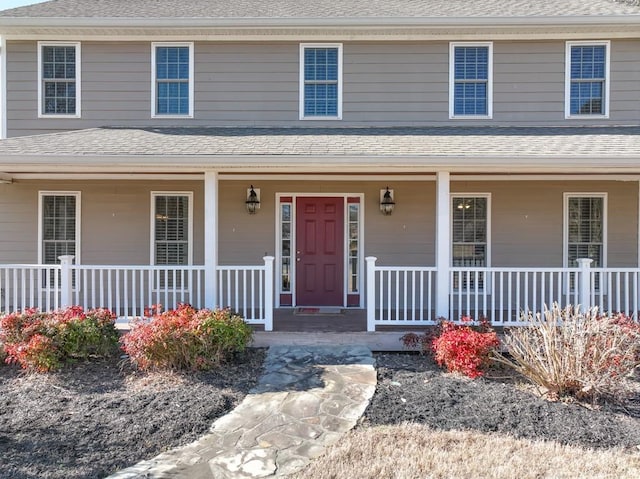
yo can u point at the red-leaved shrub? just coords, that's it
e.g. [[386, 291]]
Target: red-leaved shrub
[[464, 350], [460, 348], [186, 338], [44, 341]]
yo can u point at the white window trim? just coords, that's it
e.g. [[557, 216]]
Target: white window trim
[[452, 115], [471, 195], [567, 79], [301, 83], [565, 224], [41, 195], [154, 45], [152, 228], [78, 113]]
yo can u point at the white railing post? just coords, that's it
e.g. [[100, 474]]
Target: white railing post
[[268, 292], [66, 281], [584, 283], [443, 244], [371, 293]]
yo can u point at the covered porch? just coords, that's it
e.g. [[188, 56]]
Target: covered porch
[[481, 231]]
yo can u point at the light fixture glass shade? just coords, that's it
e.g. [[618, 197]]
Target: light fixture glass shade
[[253, 201], [386, 203]]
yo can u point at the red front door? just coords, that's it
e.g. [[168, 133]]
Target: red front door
[[320, 251]]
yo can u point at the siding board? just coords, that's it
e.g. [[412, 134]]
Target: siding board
[[253, 84]]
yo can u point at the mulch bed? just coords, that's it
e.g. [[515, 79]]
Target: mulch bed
[[93, 419], [412, 389]]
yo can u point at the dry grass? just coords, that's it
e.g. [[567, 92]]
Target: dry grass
[[414, 451], [567, 352]]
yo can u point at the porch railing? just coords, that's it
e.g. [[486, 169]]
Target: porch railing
[[399, 295], [402, 295], [501, 294], [129, 290]]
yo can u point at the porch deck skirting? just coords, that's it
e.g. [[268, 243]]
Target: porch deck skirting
[[403, 296]]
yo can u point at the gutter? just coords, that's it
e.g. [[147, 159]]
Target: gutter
[[264, 22]]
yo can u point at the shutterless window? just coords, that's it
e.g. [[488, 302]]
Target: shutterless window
[[321, 82], [585, 229], [354, 248], [59, 216], [285, 247], [173, 82], [172, 230], [59, 75], [470, 80], [588, 66], [469, 239]]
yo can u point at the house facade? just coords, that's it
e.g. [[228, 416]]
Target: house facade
[[408, 159]]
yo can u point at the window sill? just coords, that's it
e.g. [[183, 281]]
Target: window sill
[[470, 117], [172, 117], [587, 117], [58, 116], [320, 118]]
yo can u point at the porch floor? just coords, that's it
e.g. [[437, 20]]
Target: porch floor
[[342, 327]]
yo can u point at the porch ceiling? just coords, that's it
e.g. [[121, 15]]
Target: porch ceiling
[[456, 149]]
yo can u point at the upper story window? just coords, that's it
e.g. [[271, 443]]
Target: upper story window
[[172, 82], [321, 81], [59, 80], [471, 80], [587, 79]]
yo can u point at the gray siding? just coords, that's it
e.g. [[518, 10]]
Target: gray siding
[[526, 220], [252, 84], [115, 219]]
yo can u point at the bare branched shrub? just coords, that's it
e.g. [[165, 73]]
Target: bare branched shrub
[[566, 352]]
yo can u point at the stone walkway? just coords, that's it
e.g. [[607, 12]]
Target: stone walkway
[[307, 398]]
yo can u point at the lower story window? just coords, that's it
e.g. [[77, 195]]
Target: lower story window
[[172, 233], [59, 227], [469, 233]]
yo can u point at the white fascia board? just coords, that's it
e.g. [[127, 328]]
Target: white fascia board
[[300, 164]]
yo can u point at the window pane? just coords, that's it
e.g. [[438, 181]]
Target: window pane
[[585, 229], [587, 70], [58, 227], [471, 75], [172, 77], [321, 81], [469, 231], [172, 230]]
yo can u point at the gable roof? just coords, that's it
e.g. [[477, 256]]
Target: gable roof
[[327, 9], [574, 149]]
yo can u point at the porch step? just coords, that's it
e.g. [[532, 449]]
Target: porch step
[[378, 341]]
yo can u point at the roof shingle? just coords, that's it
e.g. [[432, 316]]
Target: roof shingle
[[205, 9], [511, 142]]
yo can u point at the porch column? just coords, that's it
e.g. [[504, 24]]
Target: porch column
[[66, 281], [443, 244], [210, 239], [584, 284]]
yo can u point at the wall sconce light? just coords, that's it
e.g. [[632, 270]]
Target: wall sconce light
[[386, 201], [253, 200]]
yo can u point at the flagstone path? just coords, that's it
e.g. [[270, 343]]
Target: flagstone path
[[307, 398]]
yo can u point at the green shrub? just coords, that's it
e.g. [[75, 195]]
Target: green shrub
[[570, 353], [186, 338], [45, 341]]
